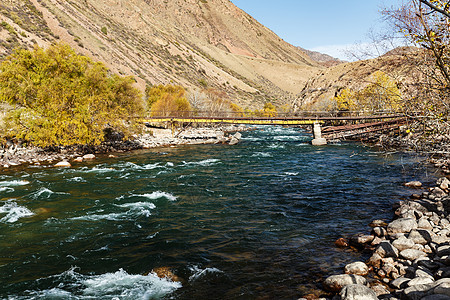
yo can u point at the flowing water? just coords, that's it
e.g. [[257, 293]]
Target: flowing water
[[254, 220]]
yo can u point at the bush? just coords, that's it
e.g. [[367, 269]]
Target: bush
[[168, 100], [61, 98]]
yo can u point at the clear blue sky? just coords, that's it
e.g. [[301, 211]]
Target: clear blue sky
[[324, 25]]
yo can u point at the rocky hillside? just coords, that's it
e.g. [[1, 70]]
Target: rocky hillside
[[323, 59], [195, 43]]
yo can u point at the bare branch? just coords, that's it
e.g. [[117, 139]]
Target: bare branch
[[435, 8]]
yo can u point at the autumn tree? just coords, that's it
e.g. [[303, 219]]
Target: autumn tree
[[168, 100], [57, 97]]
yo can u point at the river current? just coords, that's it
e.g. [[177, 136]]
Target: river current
[[251, 221]]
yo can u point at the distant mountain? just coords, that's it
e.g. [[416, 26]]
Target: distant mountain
[[195, 43], [324, 59]]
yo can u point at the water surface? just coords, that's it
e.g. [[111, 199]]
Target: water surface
[[254, 220]]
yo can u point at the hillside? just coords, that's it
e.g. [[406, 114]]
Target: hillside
[[195, 43], [323, 59]]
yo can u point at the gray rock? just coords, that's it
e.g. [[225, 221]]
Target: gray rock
[[233, 141], [379, 231], [423, 223], [436, 297], [380, 291], [442, 289], [237, 135], [438, 192], [403, 225], [385, 249], [403, 243], [399, 283], [416, 292], [357, 268], [364, 239], [411, 254], [375, 260], [335, 283], [357, 292], [420, 281]]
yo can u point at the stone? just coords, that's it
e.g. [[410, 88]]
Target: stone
[[416, 292], [438, 192], [233, 141], [403, 243], [237, 135], [414, 184], [442, 289], [411, 254], [376, 241], [420, 236], [380, 290], [423, 223], [63, 164], [335, 283], [357, 268], [385, 249], [436, 297], [403, 225], [399, 283], [89, 156], [375, 260], [165, 272], [357, 292], [364, 239], [112, 156], [420, 281], [443, 183], [379, 231], [341, 243], [78, 159], [319, 142], [443, 250], [378, 223]]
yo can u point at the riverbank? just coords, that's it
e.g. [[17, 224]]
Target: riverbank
[[16, 155], [410, 255]]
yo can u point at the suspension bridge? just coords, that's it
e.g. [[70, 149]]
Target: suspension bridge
[[325, 125]]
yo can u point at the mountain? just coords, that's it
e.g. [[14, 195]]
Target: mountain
[[323, 59], [195, 43]]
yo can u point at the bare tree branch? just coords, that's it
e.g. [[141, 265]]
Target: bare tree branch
[[435, 8]]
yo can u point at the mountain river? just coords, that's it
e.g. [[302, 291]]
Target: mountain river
[[253, 221]]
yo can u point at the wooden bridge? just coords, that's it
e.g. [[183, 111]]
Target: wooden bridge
[[336, 125]]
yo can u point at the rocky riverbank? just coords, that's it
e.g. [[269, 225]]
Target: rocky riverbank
[[15, 155], [411, 254]]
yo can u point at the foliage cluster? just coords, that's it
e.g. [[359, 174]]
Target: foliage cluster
[[61, 98], [380, 95], [169, 100]]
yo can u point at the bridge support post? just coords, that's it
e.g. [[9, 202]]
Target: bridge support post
[[317, 133]]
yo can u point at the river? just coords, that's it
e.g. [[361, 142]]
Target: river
[[255, 220]]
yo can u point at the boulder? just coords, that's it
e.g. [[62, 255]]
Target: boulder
[[335, 283], [399, 283], [443, 183], [420, 280], [420, 236], [403, 243], [411, 254], [375, 260], [89, 156], [385, 249], [63, 164], [403, 225], [443, 250], [414, 184], [416, 292], [423, 223], [233, 141], [78, 159], [357, 268], [379, 231], [357, 292], [436, 297], [438, 192]]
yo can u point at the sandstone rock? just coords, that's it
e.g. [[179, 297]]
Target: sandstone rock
[[357, 268], [414, 184], [385, 249], [335, 283], [411, 254], [357, 292], [403, 225], [63, 164], [89, 156], [403, 243]]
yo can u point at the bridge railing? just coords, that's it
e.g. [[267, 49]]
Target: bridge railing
[[319, 115]]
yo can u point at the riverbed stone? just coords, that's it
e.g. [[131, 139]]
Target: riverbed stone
[[420, 236], [420, 281], [385, 249], [63, 164], [375, 260], [335, 283], [403, 243], [363, 239], [443, 183], [423, 223], [357, 268], [443, 250], [378, 223], [379, 231], [414, 184], [78, 159], [402, 225], [357, 292], [411, 254], [436, 297], [399, 283], [88, 156]]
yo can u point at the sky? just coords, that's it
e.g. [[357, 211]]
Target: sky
[[327, 26]]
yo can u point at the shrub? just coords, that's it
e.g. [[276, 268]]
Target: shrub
[[167, 101]]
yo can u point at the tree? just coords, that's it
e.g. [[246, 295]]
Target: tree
[[61, 98], [169, 100]]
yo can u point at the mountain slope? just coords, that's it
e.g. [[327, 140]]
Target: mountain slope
[[195, 43]]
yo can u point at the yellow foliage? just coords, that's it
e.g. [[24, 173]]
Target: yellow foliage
[[61, 98], [167, 101]]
